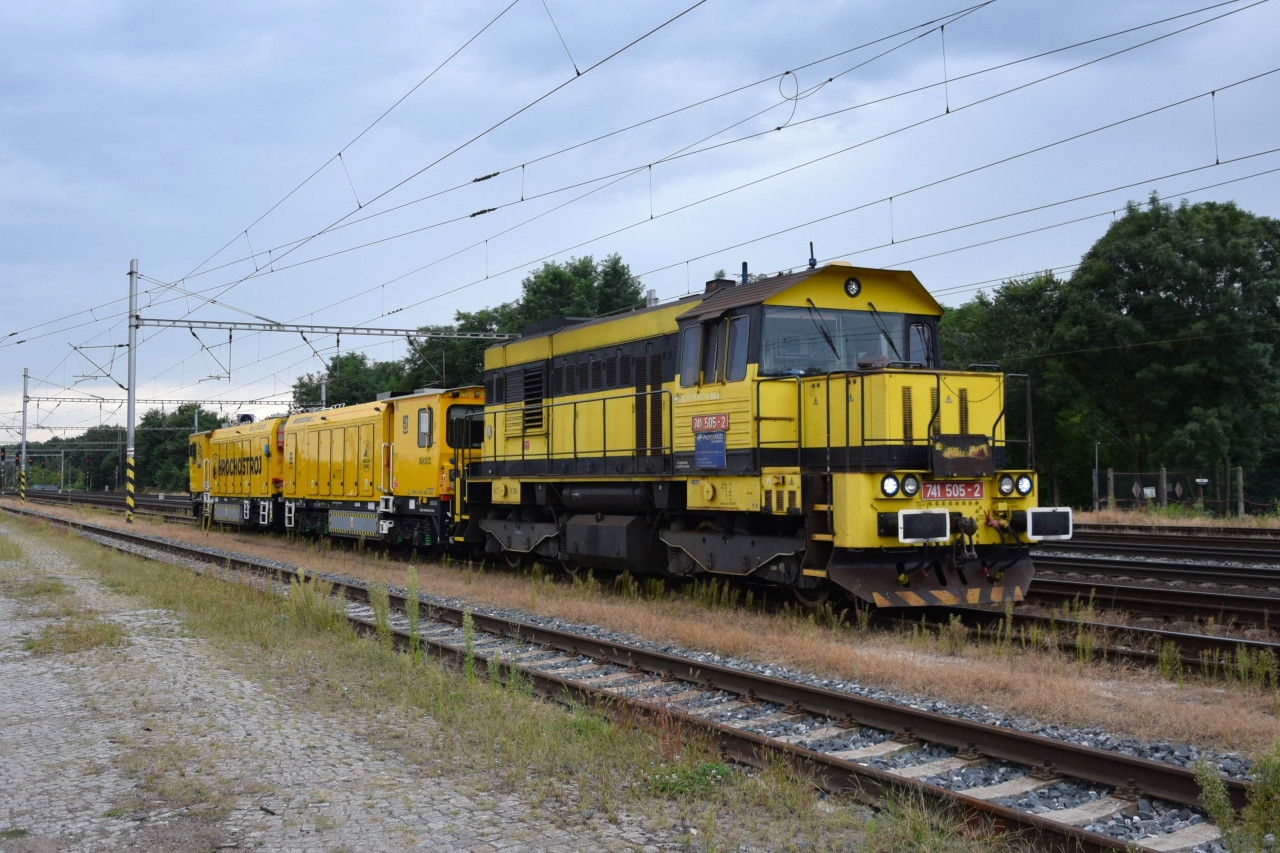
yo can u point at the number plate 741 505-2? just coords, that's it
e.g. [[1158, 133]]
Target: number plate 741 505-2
[[964, 490]]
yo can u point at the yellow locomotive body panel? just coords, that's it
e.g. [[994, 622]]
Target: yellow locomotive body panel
[[197, 467], [244, 461], [337, 454], [426, 447]]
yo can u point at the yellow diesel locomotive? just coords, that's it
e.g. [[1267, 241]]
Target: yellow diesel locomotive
[[796, 430]]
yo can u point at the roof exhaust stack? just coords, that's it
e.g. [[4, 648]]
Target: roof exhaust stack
[[744, 272], [813, 262]]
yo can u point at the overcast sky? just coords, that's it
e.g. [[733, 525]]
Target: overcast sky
[[175, 132]]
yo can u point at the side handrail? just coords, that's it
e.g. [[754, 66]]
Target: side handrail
[[799, 418]]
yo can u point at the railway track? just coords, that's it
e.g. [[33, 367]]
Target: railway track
[[1241, 609], [1175, 650], [842, 740], [1226, 573], [177, 511], [1142, 645]]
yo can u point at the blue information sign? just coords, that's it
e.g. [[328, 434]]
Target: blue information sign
[[708, 449]]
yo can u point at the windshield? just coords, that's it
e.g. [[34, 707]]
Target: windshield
[[811, 341]]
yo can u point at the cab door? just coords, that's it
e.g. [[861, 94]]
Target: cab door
[[365, 477], [323, 474], [291, 464]]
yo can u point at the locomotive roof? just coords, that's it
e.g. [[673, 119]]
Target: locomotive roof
[[706, 306], [763, 289]]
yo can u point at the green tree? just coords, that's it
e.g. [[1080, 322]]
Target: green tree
[[1161, 346], [160, 448], [579, 287], [350, 378], [1168, 328]]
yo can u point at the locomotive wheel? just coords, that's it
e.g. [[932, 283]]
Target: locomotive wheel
[[811, 598]]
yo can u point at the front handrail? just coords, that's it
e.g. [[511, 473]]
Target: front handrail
[[759, 443], [665, 449]]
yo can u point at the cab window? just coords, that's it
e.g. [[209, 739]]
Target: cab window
[[465, 426], [426, 427], [690, 355], [712, 345], [736, 351], [920, 344]]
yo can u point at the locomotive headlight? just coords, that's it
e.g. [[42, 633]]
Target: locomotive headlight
[[1024, 484], [889, 485], [910, 485], [1005, 485]]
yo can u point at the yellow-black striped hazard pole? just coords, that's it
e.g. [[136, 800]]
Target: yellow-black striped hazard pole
[[133, 384], [128, 486], [22, 455]]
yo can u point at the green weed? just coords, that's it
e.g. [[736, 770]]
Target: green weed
[[626, 586], [1170, 662], [10, 551], [76, 634], [684, 781], [469, 647], [413, 611], [311, 603], [953, 637], [380, 600]]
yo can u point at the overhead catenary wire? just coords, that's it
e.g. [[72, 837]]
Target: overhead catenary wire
[[874, 102], [481, 134], [949, 16], [842, 150], [1105, 127]]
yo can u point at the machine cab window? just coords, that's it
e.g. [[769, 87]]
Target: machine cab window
[[464, 427], [426, 427]]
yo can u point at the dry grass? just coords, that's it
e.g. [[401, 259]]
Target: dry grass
[[77, 634], [1041, 684], [9, 550], [1176, 517]]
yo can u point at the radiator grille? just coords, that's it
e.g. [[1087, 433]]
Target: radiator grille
[[964, 411], [908, 417], [534, 391]]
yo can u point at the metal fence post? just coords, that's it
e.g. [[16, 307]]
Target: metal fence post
[[1240, 491], [1164, 488], [1111, 488]]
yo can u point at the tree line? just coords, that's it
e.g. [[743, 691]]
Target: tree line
[[1159, 350]]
